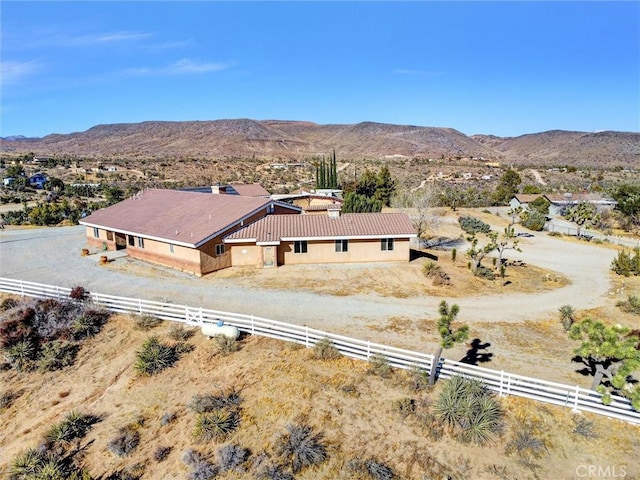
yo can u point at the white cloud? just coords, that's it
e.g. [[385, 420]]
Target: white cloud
[[13, 72], [184, 66], [102, 38]]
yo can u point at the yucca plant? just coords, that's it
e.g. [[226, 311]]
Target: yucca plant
[[300, 447], [74, 426], [379, 365], [325, 350], [216, 424], [566, 316], [154, 356]]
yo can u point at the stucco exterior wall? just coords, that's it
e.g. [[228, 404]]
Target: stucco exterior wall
[[358, 251], [245, 255]]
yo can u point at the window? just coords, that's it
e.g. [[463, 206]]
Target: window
[[96, 232], [110, 235], [219, 249], [342, 245], [300, 246], [386, 244], [132, 240], [171, 248], [140, 242]]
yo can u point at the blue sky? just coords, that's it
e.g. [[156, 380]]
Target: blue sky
[[502, 68]]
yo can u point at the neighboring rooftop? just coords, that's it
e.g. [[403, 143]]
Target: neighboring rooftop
[[274, 228], [180, 217]]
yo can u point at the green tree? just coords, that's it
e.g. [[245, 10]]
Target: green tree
[[14, 171], [507, 187], [584, 214], [628, 197], [451, 197], [385, 186], [540, 204], [507, 241], [612, 354], [356, 203], [55, 185], [533, 220], [448, 336], [476, 252]]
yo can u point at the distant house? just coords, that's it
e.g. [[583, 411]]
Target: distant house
[[323, 239], [523, 200], [561, 202], [242, 189], [38, 180], [311, 203], [182, 230]]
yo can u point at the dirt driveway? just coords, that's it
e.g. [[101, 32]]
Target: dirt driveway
[[52, 256]]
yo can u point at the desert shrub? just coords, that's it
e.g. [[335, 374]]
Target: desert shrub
[[208, 402], [53, 318], [540, 205], [300, 447], [430, 268], [472, 225], [74, 426], [468, 408], [630, 305], [554, 234], [404, 406], [18, 327], [379, 365], [216, 424], [233, 457], [56, 355], [8, 304], [625, 264], [146, 322], [527, 446], [89, 323], [203, 470], [584, 428], [78, 293], [190, 457], [180, 332], [38, 464], [22, 354], [161, 453], [484, 272], [325, 350], [224, 345], [167, 418], [154, 356], [567, 316], [7, 399], [125, 442], [418, 379], [267, 470], [371, 469], [438, 276]]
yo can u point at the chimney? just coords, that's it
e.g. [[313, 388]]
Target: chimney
[[333, 210]]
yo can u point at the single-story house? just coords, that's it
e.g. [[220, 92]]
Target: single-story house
[[320, 239], [561, 202], [183, 230], [311, 203], [523, 200], [38, 180]]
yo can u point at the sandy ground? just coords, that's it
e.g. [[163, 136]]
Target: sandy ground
[[517, 325]]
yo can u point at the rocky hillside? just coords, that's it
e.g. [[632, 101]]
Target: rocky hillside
[[275, 140]]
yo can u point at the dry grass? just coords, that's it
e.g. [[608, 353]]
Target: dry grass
[[355, 411]]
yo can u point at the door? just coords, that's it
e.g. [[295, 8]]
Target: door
[[268, 256], [121, 241]]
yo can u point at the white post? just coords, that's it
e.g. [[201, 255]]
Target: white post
[[252, 326], [500, 392], [368, 349], [306, 336], [575, 408], [139, 306]]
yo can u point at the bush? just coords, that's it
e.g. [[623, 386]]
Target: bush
[[484, 272], [161, 453], [379, 365], [8, 304], [468, 408], [430, 268], [89, 324], [154, 357], [567, 314], [434, 271], [300, 447], [418, 379], [74, 426], [57, 355], [224, 345], [209, 402], [78, 293], [167, 418], [216, 424], [180, 333], [202, 468], [125, 442], [630, 305], [325, 350], [233, 457], [371, 468], [533, 220], [625, 264], [146, 322], [38, 464], [472, 225]]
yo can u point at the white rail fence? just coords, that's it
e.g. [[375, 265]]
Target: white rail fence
[[504, 383]]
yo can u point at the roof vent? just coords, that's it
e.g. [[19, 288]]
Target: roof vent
[[333, 210]]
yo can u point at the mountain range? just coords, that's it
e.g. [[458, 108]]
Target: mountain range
[[279, 140]]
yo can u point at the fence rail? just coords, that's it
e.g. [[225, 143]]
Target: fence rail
[[504, 383]]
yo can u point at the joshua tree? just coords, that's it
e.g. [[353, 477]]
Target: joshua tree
[[448, 336]]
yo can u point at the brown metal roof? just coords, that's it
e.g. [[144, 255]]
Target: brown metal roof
[[179, 217], [250, 190], [349, 225]]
